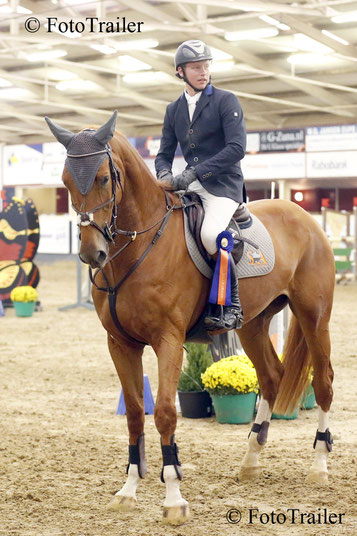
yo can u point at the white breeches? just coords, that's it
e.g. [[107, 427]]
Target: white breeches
[[218, 214]]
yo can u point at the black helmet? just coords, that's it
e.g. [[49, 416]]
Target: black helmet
[[193, 50]]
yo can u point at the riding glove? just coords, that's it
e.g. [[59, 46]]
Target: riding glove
[[165, 175], [184, 179]]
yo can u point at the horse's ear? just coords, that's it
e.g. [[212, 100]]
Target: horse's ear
[[106, 132], [61, 134]]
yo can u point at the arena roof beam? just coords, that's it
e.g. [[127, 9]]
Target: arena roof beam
[[348, 51], [261, 7], [263, 65], [149, 9]]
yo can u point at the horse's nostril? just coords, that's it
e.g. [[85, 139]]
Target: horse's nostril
[[101, 257]]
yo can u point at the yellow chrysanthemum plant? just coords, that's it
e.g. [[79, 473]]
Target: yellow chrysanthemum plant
[[24, 294], [231, 376]]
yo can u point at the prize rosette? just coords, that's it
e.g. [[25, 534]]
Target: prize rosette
[[221, 282]]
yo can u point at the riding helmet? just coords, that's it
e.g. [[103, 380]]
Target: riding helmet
[[193, 50]]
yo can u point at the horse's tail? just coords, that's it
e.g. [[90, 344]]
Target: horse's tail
[[297, 365]]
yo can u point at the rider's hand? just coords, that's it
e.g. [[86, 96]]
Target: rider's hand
[[184, 179], [165, 175]]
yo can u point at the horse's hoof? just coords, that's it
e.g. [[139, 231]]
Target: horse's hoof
[[176, 515], [249, 473], [121, 503], [318, 477]]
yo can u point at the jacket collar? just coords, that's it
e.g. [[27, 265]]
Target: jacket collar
[[203, 101], [208, 91]]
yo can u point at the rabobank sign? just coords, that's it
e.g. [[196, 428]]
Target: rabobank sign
[[331, 164]]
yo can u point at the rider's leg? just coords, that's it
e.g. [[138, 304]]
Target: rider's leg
[[218, 214]]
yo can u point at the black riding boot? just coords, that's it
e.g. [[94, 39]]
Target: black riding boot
[[226, 316]]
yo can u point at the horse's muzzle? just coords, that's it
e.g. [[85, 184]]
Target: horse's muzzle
[[95, 259]]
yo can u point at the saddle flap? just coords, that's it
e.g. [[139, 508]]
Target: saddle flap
[[195, 214]]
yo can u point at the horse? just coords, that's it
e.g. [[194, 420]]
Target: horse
[[147, 291]]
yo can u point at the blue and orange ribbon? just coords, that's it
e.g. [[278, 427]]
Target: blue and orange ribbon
[[221, 282]]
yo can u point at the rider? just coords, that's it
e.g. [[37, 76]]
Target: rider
[[208, 123]]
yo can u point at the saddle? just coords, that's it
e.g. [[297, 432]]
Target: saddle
[[195, 212]]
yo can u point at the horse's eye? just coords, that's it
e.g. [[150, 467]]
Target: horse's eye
[[104, 180]]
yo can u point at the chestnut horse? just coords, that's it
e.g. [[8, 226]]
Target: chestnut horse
[[148, 291]]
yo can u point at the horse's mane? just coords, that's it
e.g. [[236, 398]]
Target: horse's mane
[[125, 149]]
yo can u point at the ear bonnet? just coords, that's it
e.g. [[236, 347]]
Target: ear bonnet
[[86, 151]]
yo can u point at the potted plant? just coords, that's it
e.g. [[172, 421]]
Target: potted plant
[[233, 385], [195, 402], [24, 300]]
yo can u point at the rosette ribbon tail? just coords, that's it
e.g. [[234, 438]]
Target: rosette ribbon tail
[[221, 283]]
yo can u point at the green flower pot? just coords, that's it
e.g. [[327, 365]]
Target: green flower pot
[[308, 400], [234, 409], [288, 417], [24, 308]]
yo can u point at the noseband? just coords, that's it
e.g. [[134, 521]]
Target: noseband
[[86, 218]]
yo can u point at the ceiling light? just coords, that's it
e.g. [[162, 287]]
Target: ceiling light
[[129, 64], [60, 74], [152, 78], [44, 55], [104, 49], [345, 17], [335, 37], [303, 42], [274, 22], [310, 59], [221, 66], [77, 85], [5, 83], [75, 2], [247, 35], [15, 93], [19, 9], [220, 55], [299, 196], [140, 44]]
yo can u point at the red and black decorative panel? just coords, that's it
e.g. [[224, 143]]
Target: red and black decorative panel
[[11, 276], [32, 273], [33, 233], [13, 231]]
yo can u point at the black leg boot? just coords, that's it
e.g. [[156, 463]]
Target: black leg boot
[[226, 316], [233, 314]]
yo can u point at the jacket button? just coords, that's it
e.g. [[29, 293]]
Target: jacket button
[[195, 159], [210, 174], [190, 131], [193, 145]]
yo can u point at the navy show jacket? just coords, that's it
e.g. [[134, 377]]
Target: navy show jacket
[[213, 142]]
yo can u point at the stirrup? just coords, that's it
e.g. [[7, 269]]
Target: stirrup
[[214, 322]]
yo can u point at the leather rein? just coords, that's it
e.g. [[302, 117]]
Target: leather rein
[[111, 231]]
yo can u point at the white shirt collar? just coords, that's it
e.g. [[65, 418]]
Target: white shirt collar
[[194, 99]]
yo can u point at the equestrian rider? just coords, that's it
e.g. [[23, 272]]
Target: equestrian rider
[[209, 125]]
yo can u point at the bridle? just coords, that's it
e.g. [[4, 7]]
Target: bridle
[[110, 231], [86, 218]]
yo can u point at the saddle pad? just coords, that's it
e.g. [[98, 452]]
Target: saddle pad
[[253, 262]]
